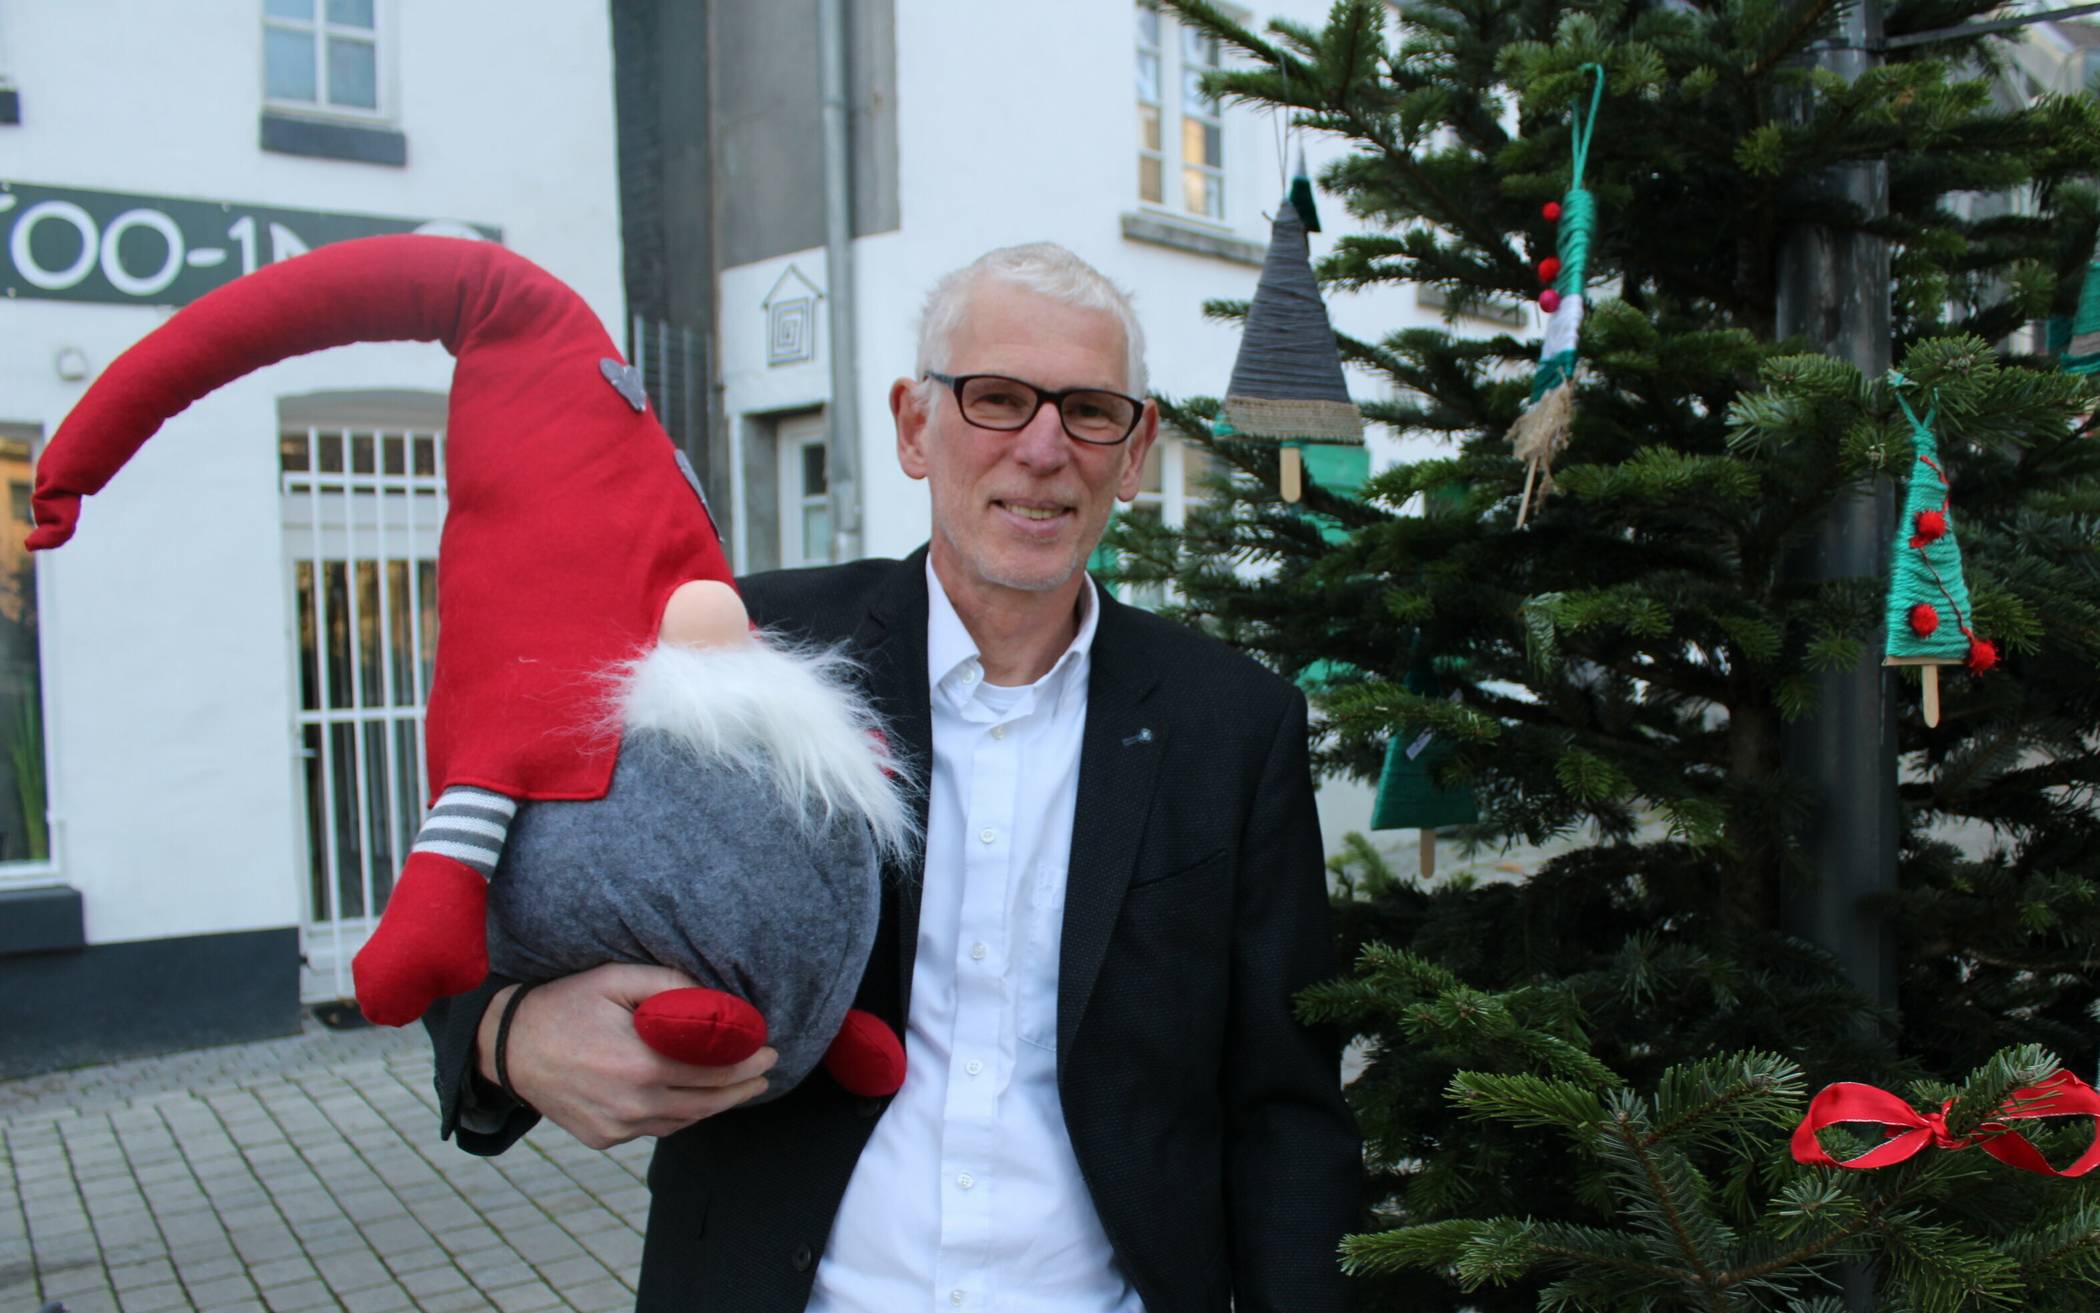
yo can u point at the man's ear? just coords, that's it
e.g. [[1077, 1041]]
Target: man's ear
[[910, 408], [1139, 446]]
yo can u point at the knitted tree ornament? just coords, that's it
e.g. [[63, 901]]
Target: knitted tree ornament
[[1928, 618], [1287, 385], [1542, 429], [716, 811], [2077, 339], [1409, 798]]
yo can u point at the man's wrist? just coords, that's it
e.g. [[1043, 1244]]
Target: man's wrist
[[483, 1073]]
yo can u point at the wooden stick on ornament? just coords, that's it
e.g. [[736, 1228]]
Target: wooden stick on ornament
[[1929, 675]]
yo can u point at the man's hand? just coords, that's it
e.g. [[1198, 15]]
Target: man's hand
[[573, 1054]]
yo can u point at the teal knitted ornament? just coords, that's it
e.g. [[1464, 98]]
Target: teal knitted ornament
[[2079, 343], [1543, 427], [1409, 797], [1928, 619]]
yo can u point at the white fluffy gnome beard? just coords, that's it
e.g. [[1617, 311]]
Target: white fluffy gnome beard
[[741, 842], [788, 716]]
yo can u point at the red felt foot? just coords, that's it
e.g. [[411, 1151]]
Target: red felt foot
[[867, 1057], [431, 941], [705, 1027]]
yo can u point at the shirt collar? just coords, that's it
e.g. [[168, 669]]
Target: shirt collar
[[951, 653]]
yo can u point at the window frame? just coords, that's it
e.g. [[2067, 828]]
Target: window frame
[[1169, 499], [319, 29], [1170, 51], [45, 871]]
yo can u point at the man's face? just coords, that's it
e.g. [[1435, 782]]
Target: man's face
[[1020, 510]]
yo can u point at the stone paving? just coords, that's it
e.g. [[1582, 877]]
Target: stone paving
[[298, 1174]]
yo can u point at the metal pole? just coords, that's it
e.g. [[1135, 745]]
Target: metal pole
[[1834, 289], [842, 432]]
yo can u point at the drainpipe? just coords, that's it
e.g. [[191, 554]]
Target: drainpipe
[[842, 435]]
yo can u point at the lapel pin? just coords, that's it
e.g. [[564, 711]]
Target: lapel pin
[[1142, 736]]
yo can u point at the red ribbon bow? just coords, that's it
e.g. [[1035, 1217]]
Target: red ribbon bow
[[2058, 1095]]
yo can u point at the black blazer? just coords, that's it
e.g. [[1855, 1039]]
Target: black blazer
[[1208, 1124]]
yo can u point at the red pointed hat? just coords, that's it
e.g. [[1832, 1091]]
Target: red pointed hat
[[573, 515]]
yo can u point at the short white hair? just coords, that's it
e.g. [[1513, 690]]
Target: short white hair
[[1041, 267]]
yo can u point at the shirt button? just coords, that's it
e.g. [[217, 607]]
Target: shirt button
[[973, 1066], [955, 1297], [998, 731], [966, 1180], [988, 834], [969, 676], [977, 952]]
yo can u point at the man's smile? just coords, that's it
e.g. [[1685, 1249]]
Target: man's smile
[[1033, 510]]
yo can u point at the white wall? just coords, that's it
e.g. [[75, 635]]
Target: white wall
[[166, 620]]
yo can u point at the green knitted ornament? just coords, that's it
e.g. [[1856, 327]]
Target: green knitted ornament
[[1548, 418], [1928, 619], [2080, 343], [1409, 798]]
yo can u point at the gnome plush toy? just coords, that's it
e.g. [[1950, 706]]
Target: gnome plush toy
[[620, 770]]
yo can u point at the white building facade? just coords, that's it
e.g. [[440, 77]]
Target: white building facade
[[1006, 124], [211, 694]]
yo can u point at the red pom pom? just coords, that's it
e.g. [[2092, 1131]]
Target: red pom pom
[[1932, 525], [1549, 300], [1923, 619], [1549, 269], [702, 1026], [1983, 654], [1551, 210]]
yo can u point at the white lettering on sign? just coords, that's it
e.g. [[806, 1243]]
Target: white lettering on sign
[[77, 245], [243, 231], [35, 274], [124, 280]]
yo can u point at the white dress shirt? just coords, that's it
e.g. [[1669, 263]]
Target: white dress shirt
[[968, 1195]]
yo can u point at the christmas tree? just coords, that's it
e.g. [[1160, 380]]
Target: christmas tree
[[1696, 1200], [1627, 663]]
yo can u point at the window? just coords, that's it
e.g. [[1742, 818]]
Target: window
[[805, 491], [1181, 135], [1172, 479], [362, 504], [24, 804], [322, 54]]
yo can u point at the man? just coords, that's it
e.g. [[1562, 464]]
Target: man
[[1108, 1104]]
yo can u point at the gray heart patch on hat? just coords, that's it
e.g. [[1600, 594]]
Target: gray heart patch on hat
[[627, 381]]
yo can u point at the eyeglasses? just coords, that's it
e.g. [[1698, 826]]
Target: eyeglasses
[[1090, 415]]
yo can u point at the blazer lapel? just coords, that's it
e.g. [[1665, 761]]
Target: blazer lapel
[[891, 641], [1118, 759]]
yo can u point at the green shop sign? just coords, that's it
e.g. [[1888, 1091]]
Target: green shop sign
[[64, 244]]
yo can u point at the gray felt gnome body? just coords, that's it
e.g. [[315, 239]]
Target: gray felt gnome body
[[642, 778]]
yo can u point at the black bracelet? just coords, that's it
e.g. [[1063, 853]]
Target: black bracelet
[[510, 1013]]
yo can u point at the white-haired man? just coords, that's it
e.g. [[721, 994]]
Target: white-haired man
[[1108, 1105]]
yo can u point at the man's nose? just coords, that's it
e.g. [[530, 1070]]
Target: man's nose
[[1042, 442]]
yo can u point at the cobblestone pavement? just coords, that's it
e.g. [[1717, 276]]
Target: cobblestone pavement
[[297, 1174]]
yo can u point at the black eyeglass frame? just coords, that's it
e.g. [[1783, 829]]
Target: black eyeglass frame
[[1043, 397]]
